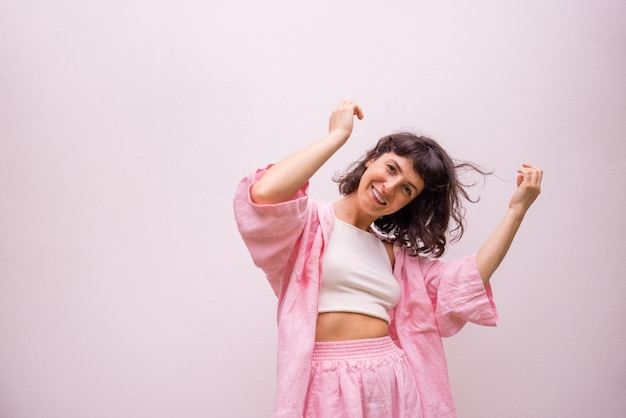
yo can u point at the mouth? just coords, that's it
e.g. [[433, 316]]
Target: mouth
[[377, 197]]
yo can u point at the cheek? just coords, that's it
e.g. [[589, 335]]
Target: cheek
[[409, 200], [402, 202]]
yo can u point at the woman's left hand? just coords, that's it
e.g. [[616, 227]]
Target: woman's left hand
[[491, 254], [528, 188]]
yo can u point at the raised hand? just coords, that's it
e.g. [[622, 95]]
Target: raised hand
[[281, 181], [528, 188], [341, 120]]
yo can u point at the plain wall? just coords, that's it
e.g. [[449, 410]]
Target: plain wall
[[125, 289]]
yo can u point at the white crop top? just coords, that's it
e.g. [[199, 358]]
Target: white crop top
[[356, 274]]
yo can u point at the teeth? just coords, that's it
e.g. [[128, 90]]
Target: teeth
[[378, 197]]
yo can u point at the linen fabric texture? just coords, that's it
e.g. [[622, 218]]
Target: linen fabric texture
[[286, 240], [361, 379]]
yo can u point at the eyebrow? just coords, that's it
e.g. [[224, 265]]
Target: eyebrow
[[395, 163]]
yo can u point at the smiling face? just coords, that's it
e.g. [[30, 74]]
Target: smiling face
[[422, 220], [388, 184]]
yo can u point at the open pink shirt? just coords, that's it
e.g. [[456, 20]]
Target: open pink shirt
[[286, 241]]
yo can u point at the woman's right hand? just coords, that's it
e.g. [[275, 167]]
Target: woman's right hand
[[341, 119], [283, 180]]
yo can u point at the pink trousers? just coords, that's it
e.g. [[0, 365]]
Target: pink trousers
[[361, 379]]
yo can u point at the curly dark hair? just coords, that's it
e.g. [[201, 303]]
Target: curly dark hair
[[423, 224]]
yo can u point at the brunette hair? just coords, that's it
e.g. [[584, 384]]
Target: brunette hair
[[424, 223]]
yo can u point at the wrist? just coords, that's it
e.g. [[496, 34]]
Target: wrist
[[515, 214], [339, 136]]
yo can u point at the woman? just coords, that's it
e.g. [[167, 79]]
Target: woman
[[363, 301]]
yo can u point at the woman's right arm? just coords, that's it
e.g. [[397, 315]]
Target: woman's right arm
[[285, 178]]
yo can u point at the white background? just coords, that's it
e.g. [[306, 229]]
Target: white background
[[125, 289]]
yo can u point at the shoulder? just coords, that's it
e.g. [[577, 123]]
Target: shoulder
[[400, 253]]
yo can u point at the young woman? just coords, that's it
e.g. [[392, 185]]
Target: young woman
[[363, 301]]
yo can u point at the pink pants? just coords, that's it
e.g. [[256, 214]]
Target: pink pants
[[361, 379]]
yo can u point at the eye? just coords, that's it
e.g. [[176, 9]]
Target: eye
[[408, 191], [391, 168]]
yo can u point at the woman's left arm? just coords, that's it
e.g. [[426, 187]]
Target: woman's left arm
[[491, 254]]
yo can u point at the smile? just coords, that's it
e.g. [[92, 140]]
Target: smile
[[378, 197]]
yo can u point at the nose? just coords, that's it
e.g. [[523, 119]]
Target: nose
[[391, 185]]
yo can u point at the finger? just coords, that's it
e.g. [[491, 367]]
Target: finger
[[533, 168], [346, 104], [534, 173], [530, 178], [527, 165], [349, 104], [358, 112], [529, 181]]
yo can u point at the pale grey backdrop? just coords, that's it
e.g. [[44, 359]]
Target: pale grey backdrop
[[125, 290]]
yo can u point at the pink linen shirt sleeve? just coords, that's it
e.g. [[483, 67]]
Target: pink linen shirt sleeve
[[269, 231], [458, 294], [440, 296], [437, 299]]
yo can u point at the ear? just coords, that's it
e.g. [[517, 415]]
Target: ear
[[369, 162]]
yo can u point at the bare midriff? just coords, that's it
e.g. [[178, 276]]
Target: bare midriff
[[344, 326]]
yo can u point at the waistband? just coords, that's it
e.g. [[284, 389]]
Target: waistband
[[355, 349]]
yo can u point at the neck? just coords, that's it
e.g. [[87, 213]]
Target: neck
[[346, 209]]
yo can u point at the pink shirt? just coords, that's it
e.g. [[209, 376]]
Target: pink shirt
[[437, 299]]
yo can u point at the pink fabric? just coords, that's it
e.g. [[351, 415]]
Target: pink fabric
[[361, 379], [286, 241]]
